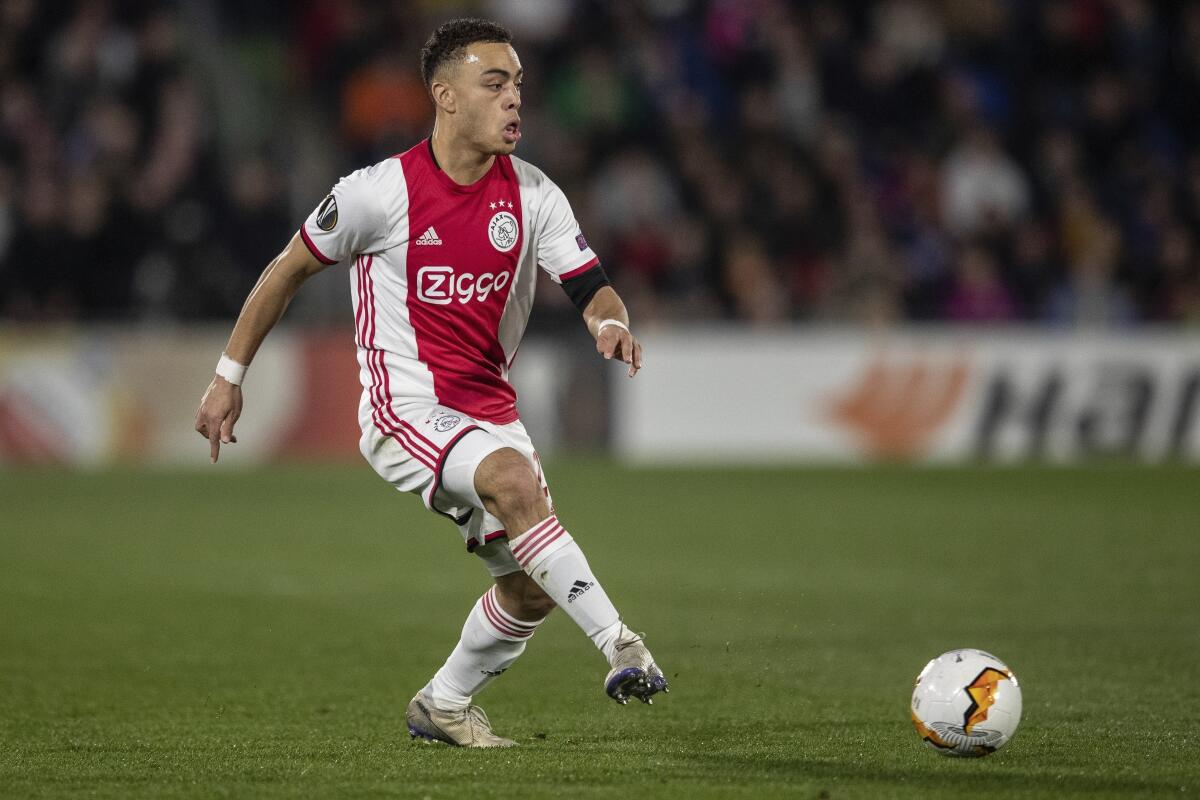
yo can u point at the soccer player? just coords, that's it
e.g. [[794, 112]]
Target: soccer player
[[442, 244]]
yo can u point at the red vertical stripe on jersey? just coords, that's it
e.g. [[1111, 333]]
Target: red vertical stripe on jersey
[[427, 455], [368, 262], [382, 414], [455, 322], [359, 312], [368, 289], [382, 386]]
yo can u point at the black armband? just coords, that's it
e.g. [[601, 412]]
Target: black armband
[[583, 287]]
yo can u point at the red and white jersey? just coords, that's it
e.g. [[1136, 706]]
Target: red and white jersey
[[444, 276]]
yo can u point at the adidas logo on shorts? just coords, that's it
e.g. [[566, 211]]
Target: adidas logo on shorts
[[579, 588], [429, 237]]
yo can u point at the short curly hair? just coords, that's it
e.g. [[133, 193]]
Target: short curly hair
[[447, 43]]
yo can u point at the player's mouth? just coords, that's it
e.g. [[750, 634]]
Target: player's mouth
[[512, 131]]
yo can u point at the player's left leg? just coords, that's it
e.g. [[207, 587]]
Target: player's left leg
[[510, 490]]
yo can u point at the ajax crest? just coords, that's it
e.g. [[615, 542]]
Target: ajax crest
[[502, 231], [446, 422]]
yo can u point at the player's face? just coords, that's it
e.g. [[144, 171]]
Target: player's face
[[488, 89]]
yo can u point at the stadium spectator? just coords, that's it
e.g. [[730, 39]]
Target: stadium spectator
[[978, 293], [1090, 296], [871, 157]]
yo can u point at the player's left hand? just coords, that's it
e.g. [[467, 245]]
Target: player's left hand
[[616, 342]]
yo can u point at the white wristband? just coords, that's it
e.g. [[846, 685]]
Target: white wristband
[[231, 370], [604, 323]]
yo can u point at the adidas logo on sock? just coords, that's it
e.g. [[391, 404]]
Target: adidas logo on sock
[[429, 237], [579, 588]]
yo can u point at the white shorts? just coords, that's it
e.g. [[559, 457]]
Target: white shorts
[[434, 451]]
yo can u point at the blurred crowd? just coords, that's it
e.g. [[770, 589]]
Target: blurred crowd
[[758, 160]]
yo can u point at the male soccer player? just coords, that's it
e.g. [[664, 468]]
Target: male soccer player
[[445, 241]]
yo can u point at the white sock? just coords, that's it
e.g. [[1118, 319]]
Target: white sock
[[550, 556], [491, 641]]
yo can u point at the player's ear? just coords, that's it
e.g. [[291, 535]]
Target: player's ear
[[443, 96]]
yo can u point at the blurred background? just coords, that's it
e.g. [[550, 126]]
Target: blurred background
[[894, 229]]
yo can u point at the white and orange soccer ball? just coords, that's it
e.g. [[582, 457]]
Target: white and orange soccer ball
[[966, 703]]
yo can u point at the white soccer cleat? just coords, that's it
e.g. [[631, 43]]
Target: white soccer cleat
[[633, 673], [468, 727]]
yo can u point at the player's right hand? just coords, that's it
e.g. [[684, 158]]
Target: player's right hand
[[219, 410]]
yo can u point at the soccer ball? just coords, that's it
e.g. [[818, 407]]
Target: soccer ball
[[966, 703]]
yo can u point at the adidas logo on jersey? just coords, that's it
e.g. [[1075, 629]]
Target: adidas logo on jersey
[[579, 588], [429, 237]]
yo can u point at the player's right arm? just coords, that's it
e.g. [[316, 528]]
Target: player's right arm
[[356, 217], [221, 404]]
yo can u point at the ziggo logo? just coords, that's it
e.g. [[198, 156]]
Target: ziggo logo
[[440, 286]]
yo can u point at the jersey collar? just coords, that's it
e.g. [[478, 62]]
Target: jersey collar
[[448, 182]]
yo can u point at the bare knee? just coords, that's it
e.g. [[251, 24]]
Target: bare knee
[[510, 490], [523, 598]]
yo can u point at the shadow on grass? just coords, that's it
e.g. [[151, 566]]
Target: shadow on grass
[[968, 776]]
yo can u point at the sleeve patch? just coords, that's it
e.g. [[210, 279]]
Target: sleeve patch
[[327, 214], [582, 242]]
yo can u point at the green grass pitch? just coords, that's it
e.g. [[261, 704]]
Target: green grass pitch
[[231, 633]]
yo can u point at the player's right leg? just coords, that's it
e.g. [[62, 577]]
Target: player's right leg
[[493, 637], [509, 489], [489, 644]]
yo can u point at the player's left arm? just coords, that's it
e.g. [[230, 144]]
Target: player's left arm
[[608, 322], [565, 254]]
